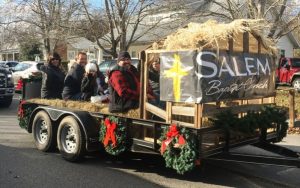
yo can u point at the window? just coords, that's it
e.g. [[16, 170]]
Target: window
[[295, 62], [22, 66], [39, 66], [284, 63], [282, 53], [133, 54], [71, 55]]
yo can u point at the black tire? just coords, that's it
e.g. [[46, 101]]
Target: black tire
[[70, 139], [44, 132]]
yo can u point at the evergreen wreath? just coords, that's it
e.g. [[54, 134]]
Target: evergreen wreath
[[24, 114], [113, 135], [179, 148], [268, 117]]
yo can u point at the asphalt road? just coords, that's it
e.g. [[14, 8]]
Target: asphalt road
[[22, 165]]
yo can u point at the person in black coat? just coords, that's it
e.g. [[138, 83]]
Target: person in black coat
[[72, 84], [53, 78], [154, 74], [89, 84]]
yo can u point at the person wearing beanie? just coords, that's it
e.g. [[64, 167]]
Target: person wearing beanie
[[100, 80], [72, 84], [124, 85], [88, 84], [53, 78]]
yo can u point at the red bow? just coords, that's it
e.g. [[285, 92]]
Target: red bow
[[21, 109], [173, 133], [110, 132]]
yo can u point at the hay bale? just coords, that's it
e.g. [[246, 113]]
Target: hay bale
[[84, 106], [212, 35]]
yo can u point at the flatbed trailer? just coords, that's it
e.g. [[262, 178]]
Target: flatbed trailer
[[85, 126], [76, 131]]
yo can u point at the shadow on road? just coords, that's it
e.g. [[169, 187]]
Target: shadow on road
[[98, 162]]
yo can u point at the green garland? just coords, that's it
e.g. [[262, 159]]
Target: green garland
[[183, 157], [268, 117], [119, 136], [32, 78], [276, 116], [24, 114]]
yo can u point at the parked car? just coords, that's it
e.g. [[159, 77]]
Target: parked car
[[288, 72], [9, 64], [25, 69], [6, 86], [108, 64]]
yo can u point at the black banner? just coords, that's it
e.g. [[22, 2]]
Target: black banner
[[208, 76]]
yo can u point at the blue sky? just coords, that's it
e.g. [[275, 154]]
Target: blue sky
[[96, 3]]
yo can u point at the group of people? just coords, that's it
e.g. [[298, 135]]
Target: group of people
[[84, 80], [81, 82]]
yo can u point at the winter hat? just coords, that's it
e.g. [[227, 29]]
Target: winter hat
[[123, 55], [55, 55], [90, 67]]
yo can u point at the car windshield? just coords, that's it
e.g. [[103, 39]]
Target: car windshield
[[104, 66], [22, 66], [12, 63], [295, 62]]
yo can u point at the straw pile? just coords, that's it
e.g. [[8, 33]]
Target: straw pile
[[210, 33], [83, 106], [294, 130]]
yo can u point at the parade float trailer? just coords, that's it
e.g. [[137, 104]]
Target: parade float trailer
[[218, 82]]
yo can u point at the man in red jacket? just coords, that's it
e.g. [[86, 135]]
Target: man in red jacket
[[124, 85]]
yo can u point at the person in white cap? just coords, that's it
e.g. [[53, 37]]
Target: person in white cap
[[88, 84]]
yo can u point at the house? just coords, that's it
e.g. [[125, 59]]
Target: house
[[69, 48], [143, 36], [9, 52], [286, 44]]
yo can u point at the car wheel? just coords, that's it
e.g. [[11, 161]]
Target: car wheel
[[70, 139], [296, 84], [43, 132]]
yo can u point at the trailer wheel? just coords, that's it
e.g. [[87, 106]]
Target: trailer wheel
[[43, 132], [70, 139]]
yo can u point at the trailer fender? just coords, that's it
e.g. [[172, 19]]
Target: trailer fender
[[86, 121]]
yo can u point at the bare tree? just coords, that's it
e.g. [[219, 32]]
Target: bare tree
[[51, 19], [123, 19], [282, 16], [94, 29]]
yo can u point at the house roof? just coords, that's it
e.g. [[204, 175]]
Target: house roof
[[80, 42], [9, 48], [294, 40], [143, 36]]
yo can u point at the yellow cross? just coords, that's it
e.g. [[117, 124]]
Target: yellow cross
[[176, 73]]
